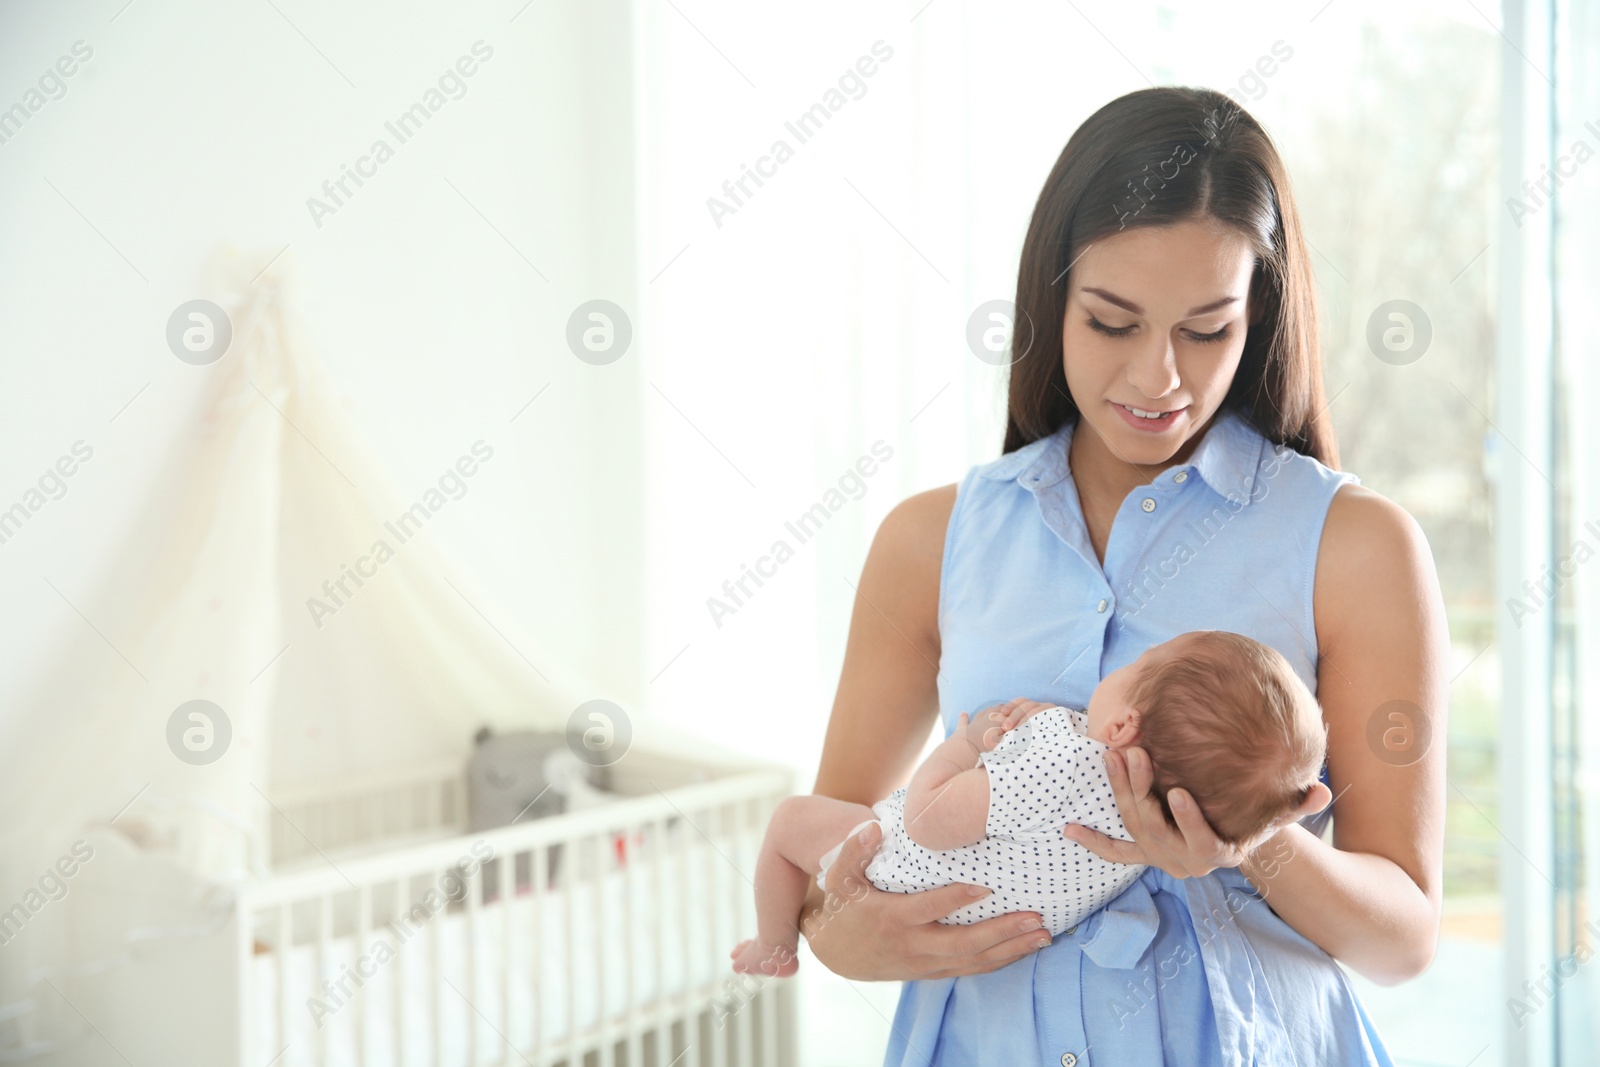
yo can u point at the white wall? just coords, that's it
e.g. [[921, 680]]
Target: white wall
[[194, 123]]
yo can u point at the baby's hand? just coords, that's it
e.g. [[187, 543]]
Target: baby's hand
[[1020, 709], [986, 730]]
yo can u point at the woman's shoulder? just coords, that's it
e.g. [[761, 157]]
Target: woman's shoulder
[[1367, 537], [901, 573], [917, 529], [917, 524]]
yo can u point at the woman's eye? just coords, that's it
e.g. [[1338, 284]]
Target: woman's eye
[[1123, 331], [1109, 331]]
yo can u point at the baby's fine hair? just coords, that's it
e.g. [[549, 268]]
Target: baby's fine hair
[[1227, 718]]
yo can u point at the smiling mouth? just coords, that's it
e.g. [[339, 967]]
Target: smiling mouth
[[1143, 414]]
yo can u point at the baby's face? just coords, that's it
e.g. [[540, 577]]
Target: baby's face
[[1110, 712]]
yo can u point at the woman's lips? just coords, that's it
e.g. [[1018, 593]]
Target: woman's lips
[[1166, 420]]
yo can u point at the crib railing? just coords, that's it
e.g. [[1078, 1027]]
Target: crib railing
[[429, 800], [599, 936]]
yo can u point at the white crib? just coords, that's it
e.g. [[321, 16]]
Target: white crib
[[591, 939]]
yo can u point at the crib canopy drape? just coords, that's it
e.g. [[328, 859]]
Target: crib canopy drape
[[276, 574]]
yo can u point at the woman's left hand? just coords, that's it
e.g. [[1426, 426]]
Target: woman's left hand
[[1188, 852]]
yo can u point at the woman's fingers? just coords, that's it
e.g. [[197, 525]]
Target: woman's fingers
[[1122, 790], [1193, 849], [1141, 775], [1107, 848], [1202, 841], [1197, 833], [934, 904], [847, 874], [997, 955], [993, 959], [984, 945]]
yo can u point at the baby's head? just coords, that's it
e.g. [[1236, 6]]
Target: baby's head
[[1222, 716]]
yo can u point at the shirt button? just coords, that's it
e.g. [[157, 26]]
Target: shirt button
[[1149, 504], [1068, 1060], [1181, 477], [1102, 607], [1072, 929]]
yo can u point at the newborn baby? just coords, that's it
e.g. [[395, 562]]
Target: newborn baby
[[1221, 715]]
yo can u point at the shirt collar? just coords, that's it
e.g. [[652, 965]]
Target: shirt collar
[[1226, 459], [1079, 718]]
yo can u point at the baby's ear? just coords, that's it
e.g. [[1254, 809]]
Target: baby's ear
[[1124, 729], [1317, 798]]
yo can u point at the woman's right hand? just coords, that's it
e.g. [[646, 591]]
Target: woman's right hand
[[867, 934]]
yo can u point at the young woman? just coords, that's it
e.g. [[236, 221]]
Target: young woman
[[1169, 465]]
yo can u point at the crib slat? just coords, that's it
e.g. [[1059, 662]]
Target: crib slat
[[658, 885], [711, 903], [703, 902], [684, 990], [283, 935], [399, 968], [436, 976], [505, 886], [324, 971], [570, 858], [474, 891], [737, 817], [769, 1007], [539, 887], [634, 1019], [362, 936], [599, 921]]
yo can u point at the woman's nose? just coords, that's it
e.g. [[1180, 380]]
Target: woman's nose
[[1154, 372]]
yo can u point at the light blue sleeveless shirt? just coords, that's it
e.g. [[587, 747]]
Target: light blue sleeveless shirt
[[1180, 971]]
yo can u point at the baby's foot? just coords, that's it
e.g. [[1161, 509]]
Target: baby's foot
[[774, 961]]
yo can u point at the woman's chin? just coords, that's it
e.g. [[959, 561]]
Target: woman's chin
[[1144, 447]]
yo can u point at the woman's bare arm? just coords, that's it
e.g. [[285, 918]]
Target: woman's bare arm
[[885, 707], [887, 700], [1372, 898]]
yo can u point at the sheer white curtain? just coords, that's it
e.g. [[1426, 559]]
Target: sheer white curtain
[[818, 315], [818, 320], [792, 328]]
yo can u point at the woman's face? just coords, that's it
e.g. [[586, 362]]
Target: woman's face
[[1176, 300]]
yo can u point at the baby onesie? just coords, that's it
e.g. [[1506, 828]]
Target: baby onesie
[[1044, 774]]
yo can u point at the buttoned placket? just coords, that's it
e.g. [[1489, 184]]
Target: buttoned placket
[[1058, 505], [1058, 979]]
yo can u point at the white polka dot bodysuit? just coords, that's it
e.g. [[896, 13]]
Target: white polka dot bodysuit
[[1044, 774]]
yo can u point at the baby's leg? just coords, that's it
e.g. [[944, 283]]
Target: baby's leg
[[801, 830]]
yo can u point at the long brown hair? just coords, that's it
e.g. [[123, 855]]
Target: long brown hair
[[1156, 157]]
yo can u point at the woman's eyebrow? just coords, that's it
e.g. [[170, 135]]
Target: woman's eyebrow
[[1129, 305]]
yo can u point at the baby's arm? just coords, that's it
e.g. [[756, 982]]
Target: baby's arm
[[947, 802], [801, 830]]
